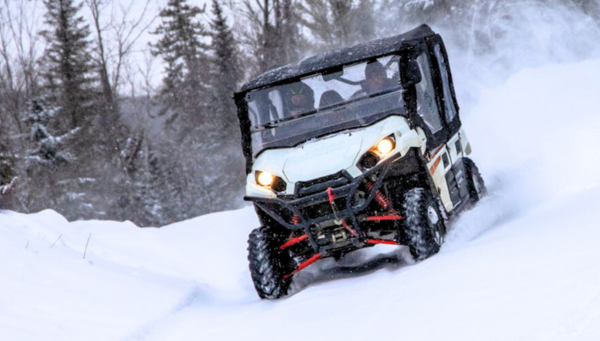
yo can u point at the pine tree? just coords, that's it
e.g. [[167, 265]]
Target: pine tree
[[186, 95], [180, 46], [67, 61], [49, 150], [226, 69], [77, 145], [227, 74], [48, 154]]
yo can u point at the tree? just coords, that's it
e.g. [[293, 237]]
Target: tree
[[19, 51], [48, 148], [117, 30], [226, 70], [80, 185], [184, 53], [338, 23], [7, 177], [47, 154], [290, 37], [271, 35], [226, 75], [69, 70], [186, 162]]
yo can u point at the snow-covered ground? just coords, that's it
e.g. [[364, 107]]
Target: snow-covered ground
[[522, 265]]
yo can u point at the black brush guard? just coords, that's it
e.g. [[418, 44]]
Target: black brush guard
[[282, 209]]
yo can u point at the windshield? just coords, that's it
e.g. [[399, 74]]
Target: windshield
[[356, 95]]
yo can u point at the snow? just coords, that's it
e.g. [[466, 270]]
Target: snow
[[522, 265]]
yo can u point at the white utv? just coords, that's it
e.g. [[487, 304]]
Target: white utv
[[353, 148]]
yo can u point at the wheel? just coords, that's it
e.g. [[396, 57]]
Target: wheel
[[424, 227], [475, 182], [268, 264]]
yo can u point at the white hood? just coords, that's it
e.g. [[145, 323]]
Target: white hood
[[322, 157], [328, 155]]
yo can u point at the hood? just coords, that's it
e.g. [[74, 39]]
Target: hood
[[322, 157], [326, 155]]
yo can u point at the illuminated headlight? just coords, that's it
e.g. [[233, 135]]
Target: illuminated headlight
[[385, 146], [268, 180], [379, 151], [264, 178]]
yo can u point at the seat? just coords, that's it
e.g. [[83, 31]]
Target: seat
[[329, 98]]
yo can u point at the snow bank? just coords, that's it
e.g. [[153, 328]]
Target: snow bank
[[534, 137], [522, 265], [130, 277]]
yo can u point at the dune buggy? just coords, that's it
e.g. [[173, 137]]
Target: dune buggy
[[353, 148]]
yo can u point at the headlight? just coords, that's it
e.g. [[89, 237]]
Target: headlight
[[380, 150], [271, 181], [265, 178], [385, 146]]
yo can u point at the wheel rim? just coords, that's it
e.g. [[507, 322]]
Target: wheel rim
[[476, 185], [432, 215], [434, 219]]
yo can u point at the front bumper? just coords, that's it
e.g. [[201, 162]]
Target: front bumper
[[310, 202]]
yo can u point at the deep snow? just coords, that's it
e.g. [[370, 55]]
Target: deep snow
[[522, 265]]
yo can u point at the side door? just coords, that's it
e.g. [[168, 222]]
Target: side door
[[456, 174], [430, 110]]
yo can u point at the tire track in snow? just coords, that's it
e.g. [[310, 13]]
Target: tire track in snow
[[356, 264], [196, 294]]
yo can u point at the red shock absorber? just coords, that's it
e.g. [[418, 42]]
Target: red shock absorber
[[295, 219], [379, 197]]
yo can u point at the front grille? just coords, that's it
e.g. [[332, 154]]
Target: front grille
[[321, 184], [323, 209]]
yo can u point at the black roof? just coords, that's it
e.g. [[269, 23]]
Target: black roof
[[355, 53]]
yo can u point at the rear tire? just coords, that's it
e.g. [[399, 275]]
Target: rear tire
[[268, 264], [475, 183], [424, 227]]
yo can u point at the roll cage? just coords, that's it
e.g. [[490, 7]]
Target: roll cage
[[427, 93]]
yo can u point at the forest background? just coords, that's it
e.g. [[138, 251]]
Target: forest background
[[123, 109]]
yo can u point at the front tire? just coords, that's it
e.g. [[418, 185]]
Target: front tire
[[424, 227], [268, 264]]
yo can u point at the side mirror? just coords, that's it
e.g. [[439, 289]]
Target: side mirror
[[410, 73]]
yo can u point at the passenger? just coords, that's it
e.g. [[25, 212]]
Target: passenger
[[330, 98], [301, 99], [376, 79]]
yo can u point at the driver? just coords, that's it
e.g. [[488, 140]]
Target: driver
[[376, 79], [301, 99]]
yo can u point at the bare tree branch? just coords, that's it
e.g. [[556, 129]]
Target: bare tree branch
[[124, 30], [19, 39]]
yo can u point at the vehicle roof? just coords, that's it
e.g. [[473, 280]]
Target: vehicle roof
[[355, 53]]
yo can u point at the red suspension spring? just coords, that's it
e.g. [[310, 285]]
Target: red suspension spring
[[379, 197], [295, 219]]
